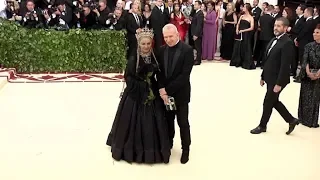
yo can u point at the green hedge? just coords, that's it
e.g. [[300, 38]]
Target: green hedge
[[39, 50]]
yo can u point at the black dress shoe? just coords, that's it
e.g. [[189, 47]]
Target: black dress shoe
[[258, 130], [292, 125], [197, 63], [316, 126], [184, 157]]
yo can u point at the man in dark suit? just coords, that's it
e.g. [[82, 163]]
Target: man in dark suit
[[196, 30], [266, 24], [297, 28], [276, 12], [158, 19], [276, 74], [176, 62], [305, 35], [134, 24], [256, 13]]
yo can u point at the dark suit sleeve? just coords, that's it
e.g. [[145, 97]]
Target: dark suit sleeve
[[130, 22], [200, 21], [258, 14], [183, 78], [286, 58], [161, 74], [305, 30]]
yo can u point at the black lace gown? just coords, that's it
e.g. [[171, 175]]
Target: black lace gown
[[242, 49], [309, 100], [139, 132]]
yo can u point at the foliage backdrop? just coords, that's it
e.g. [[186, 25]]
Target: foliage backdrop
[[39, 50]]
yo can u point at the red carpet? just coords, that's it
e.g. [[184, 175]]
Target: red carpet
[[13, 77]]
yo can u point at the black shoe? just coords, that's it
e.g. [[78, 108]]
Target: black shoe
[[197, 63], [292, 125], [184, 157], [258, 130], [316, 126]]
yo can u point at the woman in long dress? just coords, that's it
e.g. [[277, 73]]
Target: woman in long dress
[[139, 132], [178, 19], [209, 39], [242, 50], [309, 100], [229, 21]]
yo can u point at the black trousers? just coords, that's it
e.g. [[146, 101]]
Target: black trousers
[[198, 47], [271, 101], [262, 55], [296, 60], [133, 46], [182, 114]]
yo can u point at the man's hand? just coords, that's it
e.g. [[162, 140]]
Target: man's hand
[[277, 88], [195, 38], [165, 99], [261, 83], [296, 42], [162, 91], [318, 74], [289, 29]]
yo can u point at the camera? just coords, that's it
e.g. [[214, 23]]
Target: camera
[[94, 5], [112, 18], [52, 9], [171, 106], [30, 15]]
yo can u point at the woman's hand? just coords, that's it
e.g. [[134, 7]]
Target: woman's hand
[[312, 76], [237, 31]]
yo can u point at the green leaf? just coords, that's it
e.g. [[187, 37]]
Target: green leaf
[[36, 51]]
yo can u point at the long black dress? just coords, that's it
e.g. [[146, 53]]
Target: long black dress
[[242, 50], [309, 100], [139, 132], [227, 41]]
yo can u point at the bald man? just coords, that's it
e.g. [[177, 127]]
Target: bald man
[[176, 62]]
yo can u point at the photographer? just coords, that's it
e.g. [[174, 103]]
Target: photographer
[[12, 10], [116, 21], [59, 16], [33, 18], [102, 12], [87, 18]]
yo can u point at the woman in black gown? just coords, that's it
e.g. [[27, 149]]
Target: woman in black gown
[[242, 50], [309, 100], [139, 132], [228, 31]]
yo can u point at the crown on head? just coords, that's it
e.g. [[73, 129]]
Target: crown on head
[[145, 32]]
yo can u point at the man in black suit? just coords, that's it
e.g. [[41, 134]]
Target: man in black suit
[[266, 24], [276, 74], [297, 28], [158, 19], [305, 35], [196, 30], [134, 25], [276, 12], [176, 62], [256, 13]]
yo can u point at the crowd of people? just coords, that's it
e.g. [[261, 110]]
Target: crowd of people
[[282, 41]]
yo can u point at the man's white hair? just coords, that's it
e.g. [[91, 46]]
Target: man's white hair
[[170, 27]]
